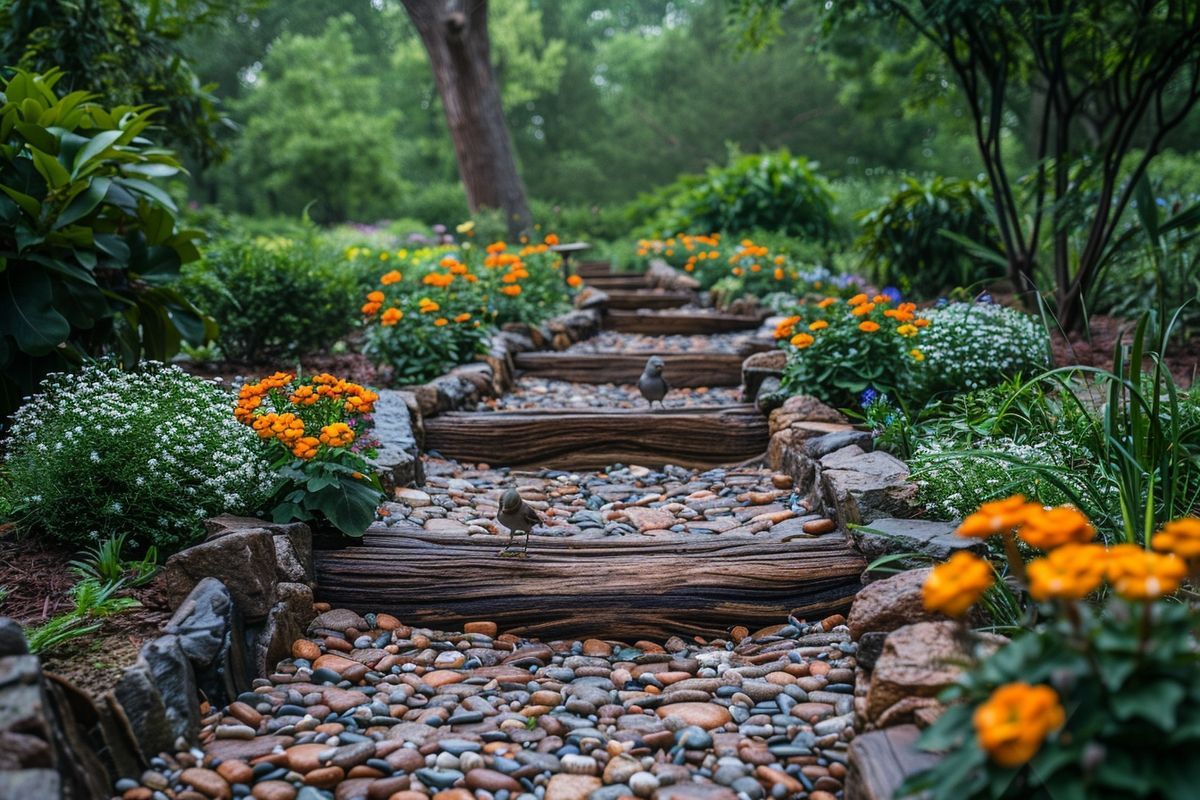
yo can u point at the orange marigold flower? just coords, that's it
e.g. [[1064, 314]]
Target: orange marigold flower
[[512, 290], [995, 517], [1070, 572], [1047, 528], [337, 434], [427, 306], [818, 325], [438, 279], [868, 326], [955, 586], [463, 317], [370, 309], [391, 277], [1139, 574], [551, 239], [1012, 724], [574, 281], [391, 317], [497, 247], [916, 354], [441, 322], [802, 340], [857, 300], [376, 296], [863, 310], [778, 274], [786, 327], [921, 322], [306, 447], [1181, 537], [827, 302]]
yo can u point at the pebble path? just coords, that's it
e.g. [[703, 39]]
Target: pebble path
[[622, 501], [611, 341], [368, 708], [533, 392]]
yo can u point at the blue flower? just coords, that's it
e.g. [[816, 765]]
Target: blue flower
[[891, 293], [984, 298], [941, 302], [868, 397]]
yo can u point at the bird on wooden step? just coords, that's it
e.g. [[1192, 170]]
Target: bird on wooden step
[[652, 384], [516, 515]]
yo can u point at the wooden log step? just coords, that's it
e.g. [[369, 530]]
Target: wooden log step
[[675, 322], [625, 299], [594, 268], [621, 281], [588, 438], [624, 587], [682, 369]]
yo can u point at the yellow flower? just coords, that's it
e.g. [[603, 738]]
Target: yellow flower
[[1181, 537], [391, 277], [391, 317], [1047, 528], [1069, 572], [907, 329], [384, 256], [997, 516], [1012, 724], [802, 340], [868, 326], [465, 226], [818, 325], [916, 355], [955, 586]]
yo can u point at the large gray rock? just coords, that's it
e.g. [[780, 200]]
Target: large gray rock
[[137, 699], [398, 461], [209, 633], [926, 538], [287, 622], [27, 784], [12, 638], [173, 675], [861, 487], [243, 560]]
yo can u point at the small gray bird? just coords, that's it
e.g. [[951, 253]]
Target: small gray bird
[[517, 516], [652, 384]]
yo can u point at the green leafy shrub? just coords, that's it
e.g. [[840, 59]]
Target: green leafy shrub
[[903, 242], [273, 297], [88, 242], [772, 192], [849, 352], [151, 452], [973, 345]]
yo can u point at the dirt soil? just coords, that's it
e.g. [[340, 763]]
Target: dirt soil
[[38, 578], [1095, 349], [351, 366]]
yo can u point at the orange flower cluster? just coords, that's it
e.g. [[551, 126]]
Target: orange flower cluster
[[867, 313], [953, 587], [1043, 528], [288, 427], [1012, 724], [685, 241]]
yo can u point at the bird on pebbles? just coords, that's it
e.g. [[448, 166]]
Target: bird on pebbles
[[516, 515], [652, 384]]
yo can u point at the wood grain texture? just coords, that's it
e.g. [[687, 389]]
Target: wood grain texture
[[682, 369], [619, 281], [611, 586], [647, 298], [675, 322], [595, 438], [593, 268]]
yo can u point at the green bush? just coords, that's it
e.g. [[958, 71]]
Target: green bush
[[903, 244], [273, 297], [970, 346], [586, 223], [90, 241], [772, 192], [435, 204], [150, 453]]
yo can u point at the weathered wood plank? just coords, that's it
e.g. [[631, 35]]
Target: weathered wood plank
[[647, 298], [615, 586], [618, 280], [677, 322], [595, 438], [594, 268], [682, 369]]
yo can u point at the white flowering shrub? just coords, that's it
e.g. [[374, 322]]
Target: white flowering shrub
[[148, 453], [970, 346]]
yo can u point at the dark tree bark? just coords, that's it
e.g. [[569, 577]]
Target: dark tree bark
[[456, 38]]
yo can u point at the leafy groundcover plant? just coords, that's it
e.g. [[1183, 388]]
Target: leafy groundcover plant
[[974, 345], [1100, 695], [839, 349], [150, 452], [316, 431]]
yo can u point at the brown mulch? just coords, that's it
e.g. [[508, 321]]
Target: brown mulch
[[351, 366], [38, 578], [1094, 348]]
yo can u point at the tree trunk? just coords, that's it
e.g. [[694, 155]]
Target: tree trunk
[[456, 38]]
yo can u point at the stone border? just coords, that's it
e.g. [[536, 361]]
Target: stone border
[[242, 596]]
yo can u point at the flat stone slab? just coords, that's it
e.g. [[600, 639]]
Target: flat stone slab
[[928, 538]]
